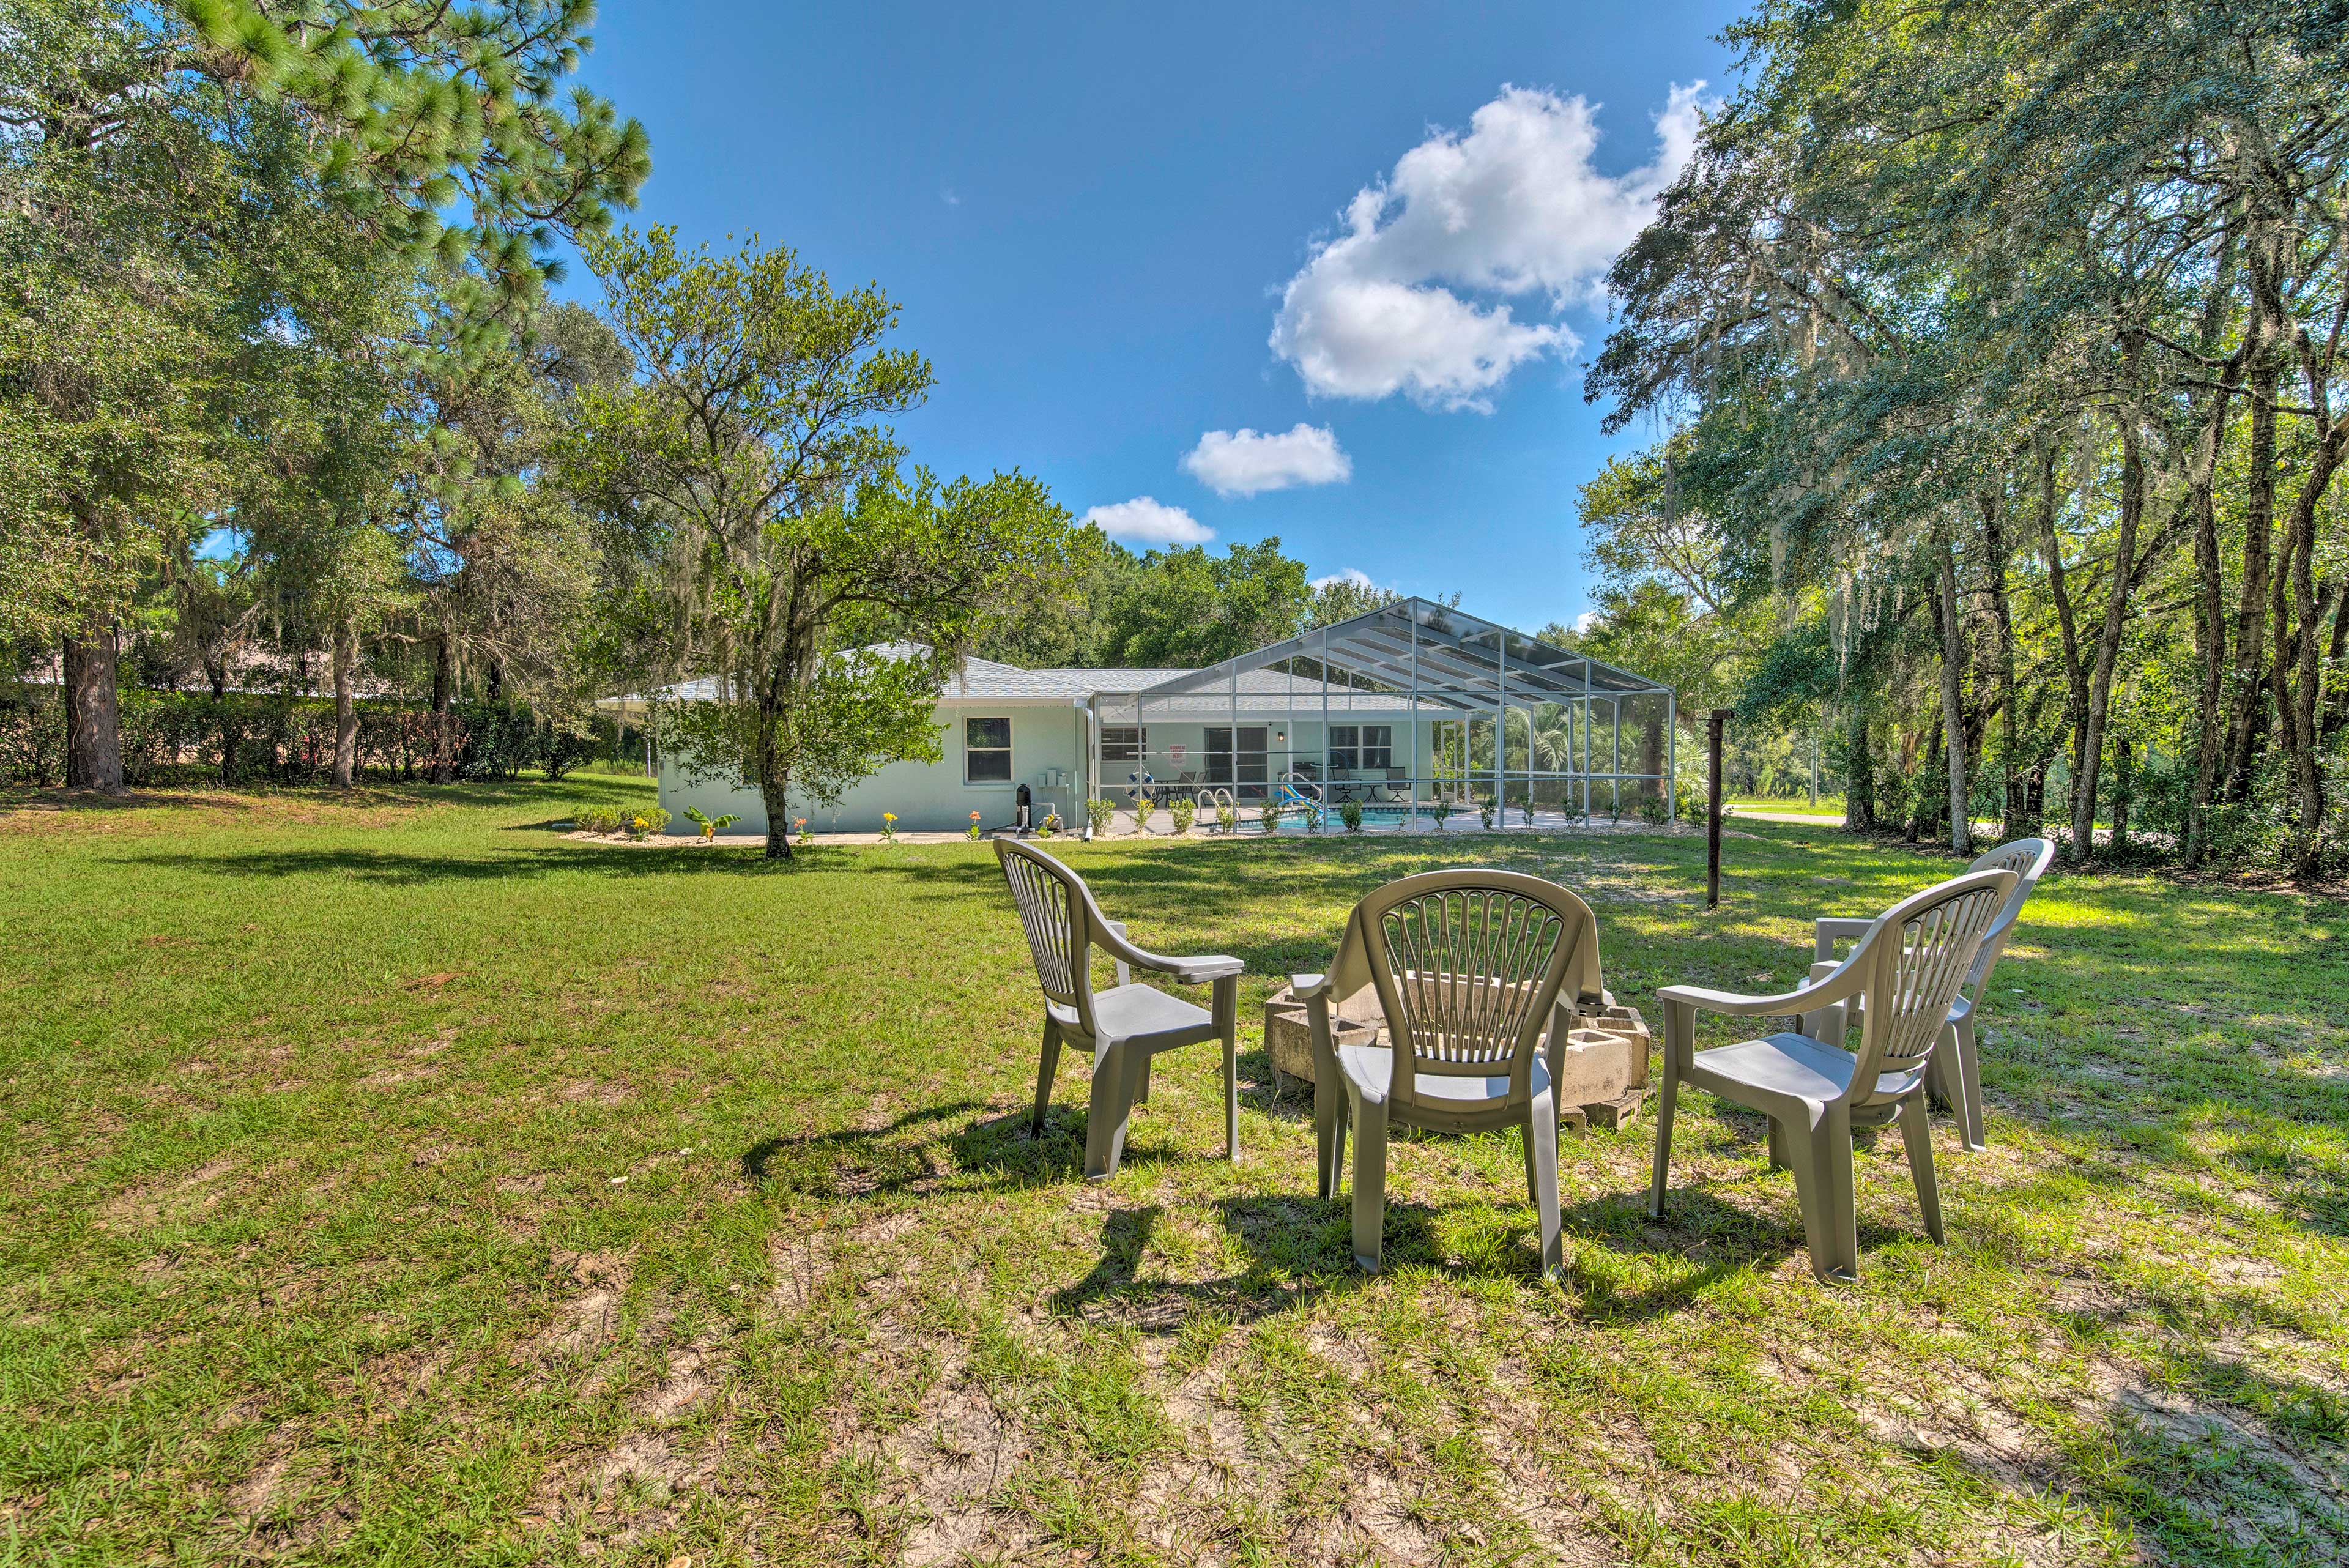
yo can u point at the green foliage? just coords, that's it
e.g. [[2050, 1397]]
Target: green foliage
[[1100, 813], [1349, 812], [1485, 804], [241, 739], [645, 822], [711, 827], [1270, 813], [599, 817], [1184, 810], [1227, 817], [1184, 607]]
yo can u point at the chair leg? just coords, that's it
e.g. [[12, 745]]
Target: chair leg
[[1231, 1092], [1917, 1134], [1666, 1103], [1370, 1181], [1048, 1065], [1965, 1069], [1142, 1082], [1822, 1160], [1541, 1160], [1330, 1114], [1780, 1159], [1112, 1099]]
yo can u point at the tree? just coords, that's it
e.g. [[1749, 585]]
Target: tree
[[747, 477], [153, 159], [1185, 607]]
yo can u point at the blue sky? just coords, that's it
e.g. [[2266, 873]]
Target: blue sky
[[1115, 229]]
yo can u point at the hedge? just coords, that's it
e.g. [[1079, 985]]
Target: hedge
[[242, 739]]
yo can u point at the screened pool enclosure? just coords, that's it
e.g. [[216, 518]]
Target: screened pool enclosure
[[1411, 713]]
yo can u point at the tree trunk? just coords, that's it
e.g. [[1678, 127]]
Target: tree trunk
[[2108, 637], [1858, 774], [2210, 647], [2251, 611], [776, 792], [2300, 717], [2076, 679], [93, 712], [2003, 616], [347, 715], [444, 761], [1953, 713]]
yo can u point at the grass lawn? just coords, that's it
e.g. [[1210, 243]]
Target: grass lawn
[[1830, 806], [395, 1181]]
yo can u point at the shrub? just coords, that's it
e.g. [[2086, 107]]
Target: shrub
[[647, 821], [1485, 812], [1312, 813], [1184, 810], [1269, 815], [1100, 813], [711, 827], [602, 818], [1439, 808], [1349, 812]]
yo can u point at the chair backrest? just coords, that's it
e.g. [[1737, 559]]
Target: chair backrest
[[1913, 962], [1467, 966], [2028, 858], [1057, 912]]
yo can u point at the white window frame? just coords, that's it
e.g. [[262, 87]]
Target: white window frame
[[1141, 743], [968, 751]]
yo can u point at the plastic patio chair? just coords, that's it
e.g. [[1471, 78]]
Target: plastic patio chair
[[1467, 968], [1907, 968], [1124, 1027], [1955, 1077]]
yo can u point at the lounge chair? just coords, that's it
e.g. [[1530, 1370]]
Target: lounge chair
[[1906, 969], [1124, 1027]]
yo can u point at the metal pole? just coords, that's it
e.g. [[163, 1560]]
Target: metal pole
[[1615, 762], [1671, 759], [1327, 785], [1814, 767], [1501, 729], [1712, 810], [1586, 741], [1411, 811]]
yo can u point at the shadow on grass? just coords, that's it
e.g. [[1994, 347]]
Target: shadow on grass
[[1297, 1245]]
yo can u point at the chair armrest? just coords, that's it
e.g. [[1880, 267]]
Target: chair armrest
[[1189, 971], [1833, 928], [1845, 981], [1306, 987]]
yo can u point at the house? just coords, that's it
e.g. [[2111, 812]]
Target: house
[[1394, 711]]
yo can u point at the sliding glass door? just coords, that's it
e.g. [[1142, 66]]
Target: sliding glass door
[[1246, 771]]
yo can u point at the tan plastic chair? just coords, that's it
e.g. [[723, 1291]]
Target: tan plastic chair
[[1906, 969], [1954, 1076], [1124, 1027], [1466, 968]]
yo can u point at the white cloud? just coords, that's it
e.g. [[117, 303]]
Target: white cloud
[[1585, 620], [1515, 207], [1244, 462], [1144, 521], [1354, 575]]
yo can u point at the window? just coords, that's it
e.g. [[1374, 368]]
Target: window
[[1361, 747], [986, 751], [1123, 743]]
